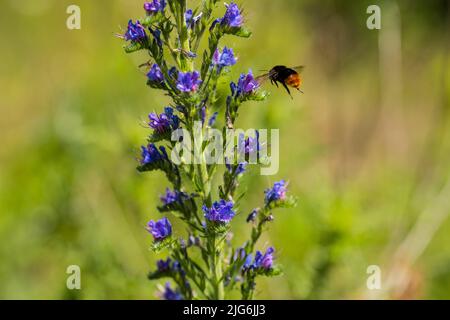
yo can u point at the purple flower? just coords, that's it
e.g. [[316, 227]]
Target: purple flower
[[190, 19], [188, 16], [154, 6], [221, 211], [135, 31], [189, 81], [239, 254], [193, 241], [173, 72], [219, 20], [155, 74], [246, 83], [277, 192], [203, 114], [240, 168], [232, 17], [265, 260], [170, 294], [150, 154], [160, 229], [213, 118], [249, 145], [164, 122], [224, 59], [252, 215], [157, 35], [164, 265], [248, 262], [169, 197], [173, 196]]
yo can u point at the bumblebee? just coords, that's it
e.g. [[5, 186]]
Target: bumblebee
[[284, 75]]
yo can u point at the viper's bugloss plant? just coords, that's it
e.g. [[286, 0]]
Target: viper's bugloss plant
[[206, 265]]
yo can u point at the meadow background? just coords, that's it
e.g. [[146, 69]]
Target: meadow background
[[366, 149]]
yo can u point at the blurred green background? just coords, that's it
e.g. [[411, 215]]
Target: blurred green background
[[366, 149]]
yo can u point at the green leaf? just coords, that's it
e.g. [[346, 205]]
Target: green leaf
[[133, 47], [243, 32], [157, 246]]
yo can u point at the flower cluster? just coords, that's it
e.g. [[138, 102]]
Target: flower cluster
[[160, 229], [190, 20], [171, 197], [220, 211], [151, 154], [277, 192], [261, 261], [237, 169], [170, 294], [165, 122], [246, 85], [225, 58], [189, 81], [154, 6], [135, 32], [172, 36], [155, 74], [232, 17]]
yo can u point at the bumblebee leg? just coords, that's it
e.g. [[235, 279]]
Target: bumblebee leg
[[287, 89]]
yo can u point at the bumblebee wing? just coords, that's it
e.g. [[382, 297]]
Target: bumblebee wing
[[262, 78], [299, 69]]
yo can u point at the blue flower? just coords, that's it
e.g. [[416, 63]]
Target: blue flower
[[155, 74], [193, 241], [239, 253], [246, 84], [213, 118], [221, 211], [170, 294], [190, 19], [277, 192], [240, 168], [150, 154], [264, 261], [252, 215], [224, 59], [154, 6], [232, 17], [249, 145], [189, 81], [164, 122], [157, 35], [160, 229], [135, 31], [248, 262], [171, 197], [203, 114], [164, 265]]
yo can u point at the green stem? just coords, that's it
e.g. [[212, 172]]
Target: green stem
[[186, 63], [257, 231], [216, 268]]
